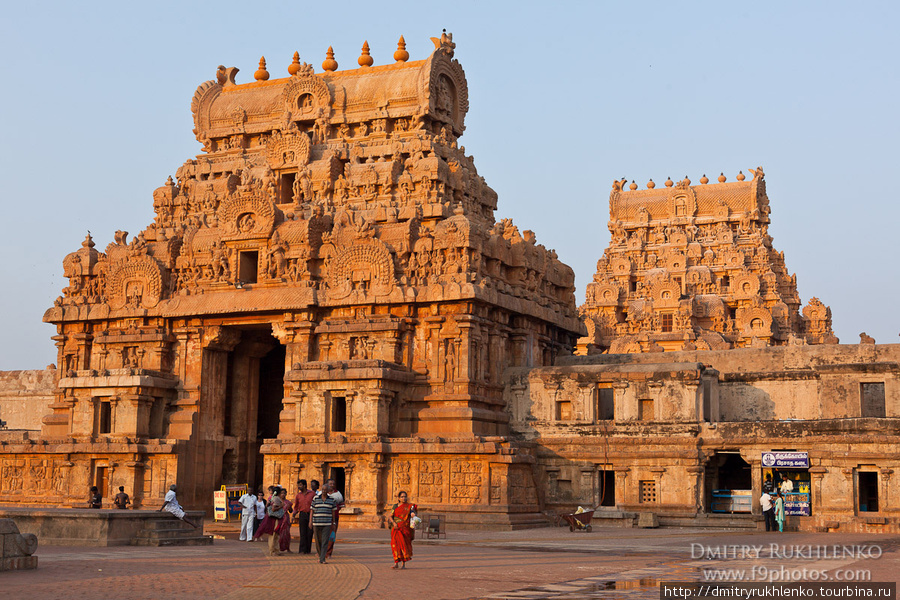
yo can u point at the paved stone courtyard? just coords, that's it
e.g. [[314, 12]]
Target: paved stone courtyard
[[539, 563]]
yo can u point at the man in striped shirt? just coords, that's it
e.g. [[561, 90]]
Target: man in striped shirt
[[321, 517]]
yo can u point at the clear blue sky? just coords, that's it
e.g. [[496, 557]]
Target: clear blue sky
[[563, 99]]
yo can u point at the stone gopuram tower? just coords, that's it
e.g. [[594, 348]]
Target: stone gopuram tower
[[693, 268], [324, 292]]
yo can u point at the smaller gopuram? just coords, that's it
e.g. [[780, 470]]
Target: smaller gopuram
[[324, 293], [692, 267]]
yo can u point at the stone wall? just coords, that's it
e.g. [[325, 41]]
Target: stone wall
[[788, 382], [838, 404], [25, 397]]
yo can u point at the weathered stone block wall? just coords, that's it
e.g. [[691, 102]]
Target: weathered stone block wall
[[791, 382], [25, 397]]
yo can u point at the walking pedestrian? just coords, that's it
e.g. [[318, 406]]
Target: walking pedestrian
[[284, 527], [260, 512], [274, 516], [302, 501], [402, 532], [248, 515], [321, 519], [779, 511]]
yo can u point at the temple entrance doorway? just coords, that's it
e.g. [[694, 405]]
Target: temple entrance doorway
[[729, 483], [268, 410], [254, 391], [340, 480]]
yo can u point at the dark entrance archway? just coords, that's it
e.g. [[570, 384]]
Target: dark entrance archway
[[254, 392], [728, 483]]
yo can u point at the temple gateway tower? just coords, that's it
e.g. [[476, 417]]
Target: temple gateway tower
[[324, 292], [693, 267]]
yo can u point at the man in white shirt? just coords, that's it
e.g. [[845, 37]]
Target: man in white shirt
[[787, 486], [765, 502], [248, 514], [171, 505]]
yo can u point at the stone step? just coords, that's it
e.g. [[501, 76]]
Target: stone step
[[171, 523], [197, 540], [166, 533]]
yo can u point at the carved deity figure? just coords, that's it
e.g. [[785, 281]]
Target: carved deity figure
[[220, 266], [277, 261]]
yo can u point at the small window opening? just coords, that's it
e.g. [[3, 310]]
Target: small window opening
[[105, 425], [667, 322], [606, 409], [286, 193], [338, 414], [564, 410], [648, 492], [248, 267]]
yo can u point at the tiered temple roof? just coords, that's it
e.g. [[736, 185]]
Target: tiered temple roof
[[693, 267]]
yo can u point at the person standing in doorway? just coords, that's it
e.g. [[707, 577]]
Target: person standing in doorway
[[302, 502], [321, 518], [122, 500], [248, 515]]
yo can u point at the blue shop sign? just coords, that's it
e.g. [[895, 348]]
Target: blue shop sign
[[787, 460]]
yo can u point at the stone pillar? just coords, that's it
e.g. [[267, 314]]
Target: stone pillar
[[353, 422], [587, 486], [699, 473], [816, 474], [349, 467], [621, 412], [434, 352], [884, 497], [552, 482], [756, 482], [136, 407], [621, 482]]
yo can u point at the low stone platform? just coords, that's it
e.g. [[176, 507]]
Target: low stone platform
[[86, 527]]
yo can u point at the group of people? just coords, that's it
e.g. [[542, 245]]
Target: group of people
[[772, 502], [121, 499], [316, 512]]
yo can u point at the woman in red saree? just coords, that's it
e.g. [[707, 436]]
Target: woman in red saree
[[284, 528], [401, 530]]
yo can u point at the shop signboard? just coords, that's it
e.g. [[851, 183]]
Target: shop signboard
[[797, 504], [785, 460]]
